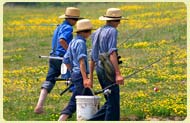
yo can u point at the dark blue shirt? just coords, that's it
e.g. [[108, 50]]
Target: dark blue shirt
[[63, 31], [77, 49], [107, 42]]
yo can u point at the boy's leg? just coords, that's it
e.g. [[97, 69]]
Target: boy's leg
[[110, 111], [111, 108], [71, 107], [39, 106], [100, 115], [63, 117], [113, 105], [47, 86]]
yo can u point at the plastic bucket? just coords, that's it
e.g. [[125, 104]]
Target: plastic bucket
[[87, 106]]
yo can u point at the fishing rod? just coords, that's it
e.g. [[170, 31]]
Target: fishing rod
[[133, 34], [89, 50], [68, 83], [135, 72], [52, 57], [118, 57], [106, 90]]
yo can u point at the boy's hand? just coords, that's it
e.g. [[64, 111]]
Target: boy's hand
[[87, 83], [119, 79]]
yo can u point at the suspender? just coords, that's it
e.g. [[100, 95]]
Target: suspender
[[106, 63], [99, 40]]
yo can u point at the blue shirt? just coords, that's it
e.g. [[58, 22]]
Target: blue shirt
[[107, 42], [77, 49], [63, 31]]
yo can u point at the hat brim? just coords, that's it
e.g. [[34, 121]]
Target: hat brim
[[65, 16], [109, 18], [83, 30]]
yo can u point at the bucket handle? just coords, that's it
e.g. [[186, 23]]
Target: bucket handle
[[84, 89]]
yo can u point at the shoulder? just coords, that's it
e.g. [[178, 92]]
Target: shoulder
[[66, 27], [76, 42], [95, 32], [108, 30], [80, 42], [112, 30]]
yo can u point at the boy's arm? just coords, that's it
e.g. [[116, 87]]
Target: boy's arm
[[92, 64], [68, 66], [86, 81], [63, 43], [114, 61]]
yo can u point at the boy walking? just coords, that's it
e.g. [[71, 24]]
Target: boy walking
[[104, 41], [61, 39], [76, 60]]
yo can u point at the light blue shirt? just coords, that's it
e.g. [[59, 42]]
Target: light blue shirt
[[77, 49], [107, 42], [63, 31]]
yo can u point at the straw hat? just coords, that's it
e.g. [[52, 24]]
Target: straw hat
[[83, 24], [71, 12], [112, 14]]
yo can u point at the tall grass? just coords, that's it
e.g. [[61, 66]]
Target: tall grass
[[161, 31]]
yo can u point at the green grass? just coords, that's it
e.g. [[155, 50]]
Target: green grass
[[24, 72]]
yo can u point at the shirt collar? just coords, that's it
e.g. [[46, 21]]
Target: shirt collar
[[66, 22], [80, 37], [108, 26]]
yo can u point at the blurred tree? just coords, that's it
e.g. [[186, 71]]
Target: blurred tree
[[42, 4]]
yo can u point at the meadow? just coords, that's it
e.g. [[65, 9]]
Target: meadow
[[152, 31]]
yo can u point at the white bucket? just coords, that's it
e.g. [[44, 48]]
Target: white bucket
[[63, 68], [87, 106]]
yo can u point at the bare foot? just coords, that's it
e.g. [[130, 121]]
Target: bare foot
[[38, 110]]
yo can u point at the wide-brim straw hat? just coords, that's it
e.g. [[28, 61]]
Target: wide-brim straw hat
[[71, 12], [83, 24], [112, 14]]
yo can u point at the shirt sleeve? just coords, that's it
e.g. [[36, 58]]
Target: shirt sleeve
[[66, 58], [81, 50], [95, 48], [112, 44], [65, 33]]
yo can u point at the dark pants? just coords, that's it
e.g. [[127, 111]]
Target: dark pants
[[77, 80], [54, 71], [110, 111]]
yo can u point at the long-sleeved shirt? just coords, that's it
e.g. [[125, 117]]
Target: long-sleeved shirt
[[77, 49], [63, 31], [104, 40]]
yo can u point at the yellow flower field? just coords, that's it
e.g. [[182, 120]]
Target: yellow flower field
[[153, 31]]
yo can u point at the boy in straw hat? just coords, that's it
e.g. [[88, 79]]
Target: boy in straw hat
[[104, 41], [77, 62], [61, 38]]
